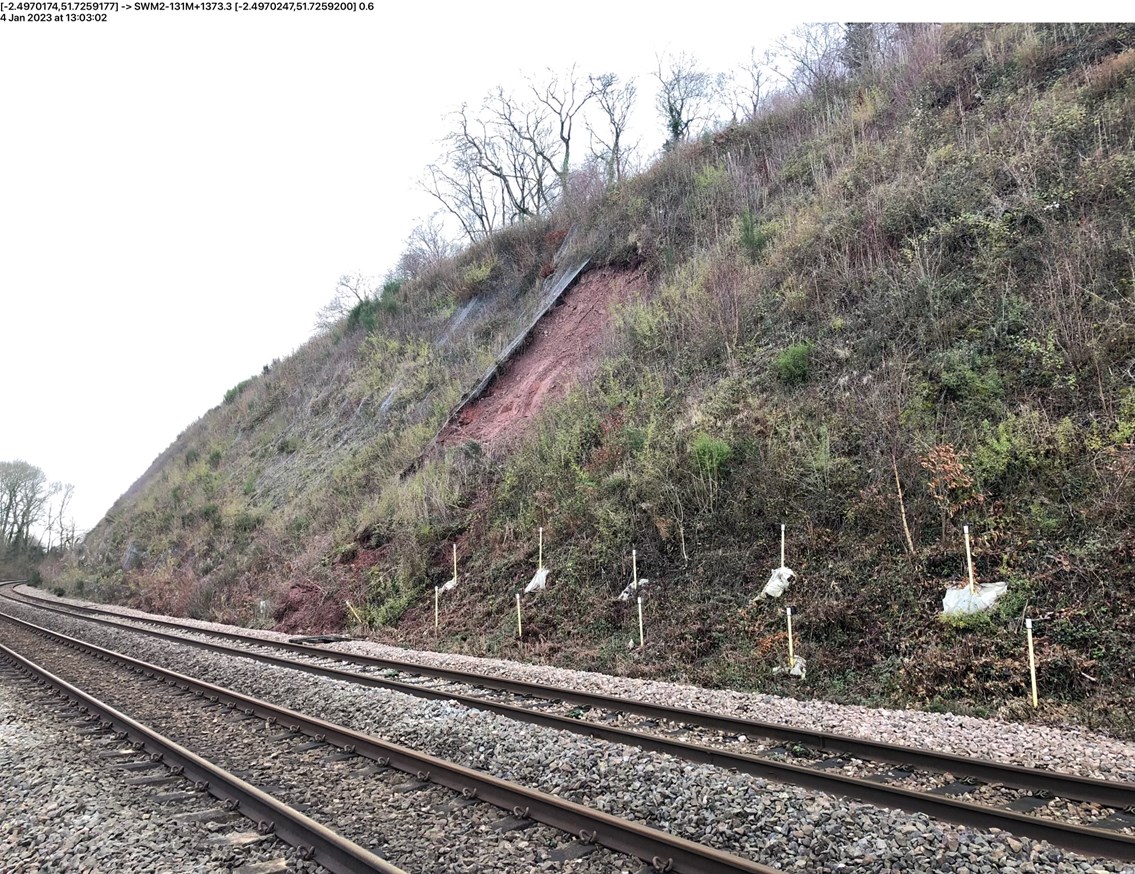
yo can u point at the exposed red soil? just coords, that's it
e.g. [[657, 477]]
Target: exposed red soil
[[562, 351]]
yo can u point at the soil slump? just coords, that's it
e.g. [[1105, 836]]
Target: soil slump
[[562, 352]]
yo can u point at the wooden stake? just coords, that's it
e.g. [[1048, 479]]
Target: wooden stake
[[540, 565], [640, 637], [1032, 659], [634, 568], [782, 544], [519, 627], [455, 561], [902, 506], [437, 596], [969, 563]]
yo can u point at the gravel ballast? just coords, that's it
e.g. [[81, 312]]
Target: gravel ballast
[[65, 808], [777, 825]]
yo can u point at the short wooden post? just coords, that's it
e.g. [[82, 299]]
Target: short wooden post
[[641, 640], [1032, 659], [519, 627], [540, 560], [969, 562], [455, 563], [782, 544], [437, 597]]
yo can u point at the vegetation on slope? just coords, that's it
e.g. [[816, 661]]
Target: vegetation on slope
[[921, 277]]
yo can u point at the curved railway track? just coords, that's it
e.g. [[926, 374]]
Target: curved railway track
[[663, 852], [1040, 786]]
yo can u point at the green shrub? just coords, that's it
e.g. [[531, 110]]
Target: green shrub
[[474, 278], [211, 513], [364, 315], [794, 363], [233, 393], [246, 523], [755, 236], [710, 453]]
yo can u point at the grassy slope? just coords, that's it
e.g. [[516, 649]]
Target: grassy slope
[[928, 274]]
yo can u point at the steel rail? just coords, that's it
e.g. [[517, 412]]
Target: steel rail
[[313, 840], [665, 852], [1081, 838], [1120, 795]]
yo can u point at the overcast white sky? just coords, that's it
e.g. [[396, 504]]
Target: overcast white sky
[[181, 190]]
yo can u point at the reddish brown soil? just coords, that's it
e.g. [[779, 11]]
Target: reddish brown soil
[[563, 351]]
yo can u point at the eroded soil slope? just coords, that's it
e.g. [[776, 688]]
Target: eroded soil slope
[[563, 350]]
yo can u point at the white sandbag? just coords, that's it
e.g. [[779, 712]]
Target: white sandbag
[[777, 583], [450, 585], [632, 589], [539, 581], [963, 602], [798, 668]]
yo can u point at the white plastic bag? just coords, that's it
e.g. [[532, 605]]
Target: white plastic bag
[[777, 583], [539, 582], [632, 589], [963, 602]]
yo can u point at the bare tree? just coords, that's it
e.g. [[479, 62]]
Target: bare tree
[[811, 57], [512, 160], [608, 141], [683, 97], [465, 192], [23, 495], [426, 246], [351, 290], [519, 150], [741, 90], [564, 96]]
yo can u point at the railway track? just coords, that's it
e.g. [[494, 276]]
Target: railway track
[[848, 772], [235, 726], [141, 748]]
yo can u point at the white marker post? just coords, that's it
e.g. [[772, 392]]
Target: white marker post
[[540, 560], [782, 544], [969, 562], [519, 627], [791, 649], [640, 637], [1032, 659], [437, 597]]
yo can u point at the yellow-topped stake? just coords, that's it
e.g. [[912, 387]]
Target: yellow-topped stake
[[969, 562]]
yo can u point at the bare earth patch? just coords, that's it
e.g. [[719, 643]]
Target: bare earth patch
[[562, 352]]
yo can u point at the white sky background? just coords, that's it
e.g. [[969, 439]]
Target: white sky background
[[181, 190]]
